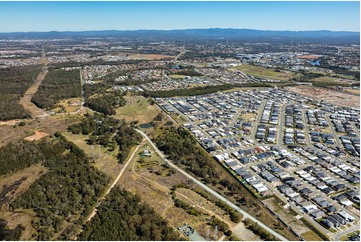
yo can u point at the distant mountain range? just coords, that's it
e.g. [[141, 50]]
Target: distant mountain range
[[196, 34]]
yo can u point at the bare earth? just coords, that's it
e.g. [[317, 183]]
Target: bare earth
[[26, 99], [38, 135], [331, 96]]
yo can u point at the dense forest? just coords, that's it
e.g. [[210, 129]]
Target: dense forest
[[182, 148], [57, 85], [105, 103], [66, 194], [188, 72], [20, 155], [126, 137], [96, 88], [14, 81], [123, 217], [307, 76]]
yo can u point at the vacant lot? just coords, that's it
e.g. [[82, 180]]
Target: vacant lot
[[137, 108], [177, 76], [353, 91], [290, 219], [332, 96], [263, 72], [326, 79]]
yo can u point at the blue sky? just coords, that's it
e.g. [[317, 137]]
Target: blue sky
[[77, 16]]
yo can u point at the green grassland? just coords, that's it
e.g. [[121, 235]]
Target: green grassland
[[263, 72], [137, 108], [325, 79], [177, 76]]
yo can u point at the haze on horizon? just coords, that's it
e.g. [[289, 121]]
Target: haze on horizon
[[86, 16]]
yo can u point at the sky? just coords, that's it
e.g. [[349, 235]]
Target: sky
[[82, 16]]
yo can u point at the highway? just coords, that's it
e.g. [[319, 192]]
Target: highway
[[211, 191]]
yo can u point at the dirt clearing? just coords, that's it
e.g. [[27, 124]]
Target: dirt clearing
[[26, 99], [331, 96], [38, 135]]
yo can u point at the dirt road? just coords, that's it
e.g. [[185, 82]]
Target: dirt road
[[26, 99]]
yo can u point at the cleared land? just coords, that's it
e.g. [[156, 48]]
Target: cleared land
[[38, 135], [334, 97], [291, 220], [26, 99], [326, 79], [177, 76], [49, 125], [137, 108], [353, 91], [263, 72]]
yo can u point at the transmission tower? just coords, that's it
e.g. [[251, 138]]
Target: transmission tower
[[207, 234], [216, 232]]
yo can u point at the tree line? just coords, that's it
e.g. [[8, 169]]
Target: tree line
[[126, 137], [255, 228], [190, 91], [20, 155], [14, 81], [105, 103]]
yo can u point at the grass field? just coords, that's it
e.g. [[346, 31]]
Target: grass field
[[177, 76], [311, 236], [104, 160], [137, 108], [353, 91], [249, 116], [68, 105], [325, 79], [263, 72]]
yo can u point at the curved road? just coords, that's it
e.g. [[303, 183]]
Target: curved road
[[210, 190]]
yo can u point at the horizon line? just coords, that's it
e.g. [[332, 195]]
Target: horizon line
[[59, 31]]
